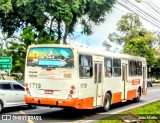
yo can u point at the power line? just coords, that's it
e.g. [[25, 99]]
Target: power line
[[137, 13], [150, 8], [119, 9], [142, 11], [150, 3]]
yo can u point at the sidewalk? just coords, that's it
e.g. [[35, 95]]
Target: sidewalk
[[157, 81]]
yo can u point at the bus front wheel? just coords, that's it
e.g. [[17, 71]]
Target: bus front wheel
[[107, 102]]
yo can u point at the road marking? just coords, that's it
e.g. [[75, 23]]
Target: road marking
[[30, 121], [22, 112]]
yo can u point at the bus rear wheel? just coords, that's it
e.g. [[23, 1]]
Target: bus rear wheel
[[137, 99], [107, 102], [1, 106], [31, 106]]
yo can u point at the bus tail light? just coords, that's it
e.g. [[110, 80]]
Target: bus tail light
[[72, 91], [72, 87], [27, 89]]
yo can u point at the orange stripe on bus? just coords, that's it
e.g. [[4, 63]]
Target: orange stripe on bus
[[131, 94], [86, 103], [116, 97]]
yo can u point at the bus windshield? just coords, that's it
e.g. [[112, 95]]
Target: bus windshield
[[56, 57]]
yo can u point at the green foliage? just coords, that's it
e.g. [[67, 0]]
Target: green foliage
[[155, 70], [134, 38], [50, 16], [129, 22], [6, 6], [17, 51], [127, 28], [150, 112], [130, 27], [140, 47], [28, 37]]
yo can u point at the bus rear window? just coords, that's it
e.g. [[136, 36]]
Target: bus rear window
[[50, 57]]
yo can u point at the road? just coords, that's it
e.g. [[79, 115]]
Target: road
[[78, 116]]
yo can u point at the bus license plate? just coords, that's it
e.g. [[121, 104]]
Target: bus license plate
[[48, 91]]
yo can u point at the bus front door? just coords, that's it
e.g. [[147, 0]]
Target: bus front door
[[98, 83], [124, 80]]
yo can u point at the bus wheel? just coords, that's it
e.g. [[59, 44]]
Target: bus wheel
[[1, 106], [107, 102], [31, 106], [137, 99]]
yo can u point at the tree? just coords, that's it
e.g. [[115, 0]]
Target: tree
[[127, 28], [54, 18], [140, 47], [130, 27], [134, 38], [155, 69], [17, 50]]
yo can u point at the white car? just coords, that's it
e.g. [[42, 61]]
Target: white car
[[12, 94]]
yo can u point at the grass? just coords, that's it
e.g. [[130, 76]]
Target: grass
[[156, 82], [149, 113]]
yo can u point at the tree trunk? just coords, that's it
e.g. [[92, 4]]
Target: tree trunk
[[59, 31], [65, 34], [50, 31]]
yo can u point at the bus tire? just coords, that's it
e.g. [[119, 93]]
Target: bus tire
[[137, 99], [107, 102], [31, 106], [1, 106]]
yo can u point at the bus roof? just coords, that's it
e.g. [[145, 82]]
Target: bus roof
[[92, 51]]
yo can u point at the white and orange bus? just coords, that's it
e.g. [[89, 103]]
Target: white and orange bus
[[70, 76]]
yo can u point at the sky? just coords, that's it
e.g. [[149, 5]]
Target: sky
[[101, 32]]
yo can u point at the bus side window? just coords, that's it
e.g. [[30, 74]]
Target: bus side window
[[85, 66], [116, 67], [135, 68], [108, 67], [139, 68]]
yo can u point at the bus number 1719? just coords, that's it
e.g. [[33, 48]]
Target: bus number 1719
[[35, 85]]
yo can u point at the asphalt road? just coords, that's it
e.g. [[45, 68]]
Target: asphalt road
[[79, 116]]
